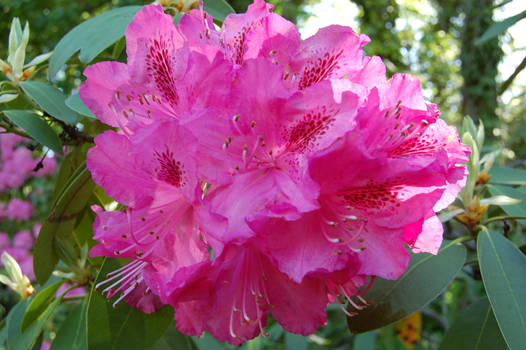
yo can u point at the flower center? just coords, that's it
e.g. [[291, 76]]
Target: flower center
[[319, 69], [170, 170], [160, 70]]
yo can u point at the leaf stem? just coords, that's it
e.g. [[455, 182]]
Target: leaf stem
[[502, 218]]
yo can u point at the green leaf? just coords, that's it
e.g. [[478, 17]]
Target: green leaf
[[364, 341], [14, 321], [173, 339], [475, 329], [499, 27], [426, 277], [218, 9], [92, 37], [296, 342], [50, 99], [207, 342], [512, 210], [507, 176], [122, 327], [72, 333], [60, 223], [39, 304], [503, 269], [36, 128], [17, 340], [75, 103]]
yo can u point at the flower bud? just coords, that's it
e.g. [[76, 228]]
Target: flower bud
[[16, 280], [27, 73]]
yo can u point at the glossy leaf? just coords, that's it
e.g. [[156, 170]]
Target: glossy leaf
[[50, 99], [92, 37], [75, 103], [500, 27], [60, 223], [72, 333], [36, 128], [173, 339], [122, 327], [426, 277], [518, 209], [503, 269], [507, 176], [218, 9], [475, 329], [39, 304]]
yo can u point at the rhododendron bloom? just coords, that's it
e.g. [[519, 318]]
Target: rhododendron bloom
[[18, 209], [262, 174]]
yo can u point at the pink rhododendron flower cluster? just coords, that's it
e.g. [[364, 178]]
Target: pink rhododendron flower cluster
[[18, 209], [17, 163], [262, 174]]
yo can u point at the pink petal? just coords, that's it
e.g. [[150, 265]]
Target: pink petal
[[98, 91], [333, 52]]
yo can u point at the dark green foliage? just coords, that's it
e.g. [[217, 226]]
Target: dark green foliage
[[377, 20], [468, 20], [290, 9]]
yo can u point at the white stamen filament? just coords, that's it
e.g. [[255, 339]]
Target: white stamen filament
[[122, 280], [127, 291]]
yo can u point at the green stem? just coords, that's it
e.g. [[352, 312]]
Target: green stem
[[76, 297], [10, 129], [462, 239], [502, 218]]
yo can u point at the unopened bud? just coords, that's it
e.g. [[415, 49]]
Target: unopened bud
[[16, 280], [27, 73]]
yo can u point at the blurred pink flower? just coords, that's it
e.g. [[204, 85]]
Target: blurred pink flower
[[49, 165], [23, 239], [18, 209]]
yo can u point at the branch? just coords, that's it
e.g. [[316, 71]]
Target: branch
[[506, 84], [9, 128]]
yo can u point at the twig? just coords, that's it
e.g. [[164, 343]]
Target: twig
[[506, 84], [503, 218]]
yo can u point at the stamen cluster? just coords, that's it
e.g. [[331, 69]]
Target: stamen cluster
[[261, 173]]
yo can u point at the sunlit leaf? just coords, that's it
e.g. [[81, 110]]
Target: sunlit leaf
[[50, 99], [218, 9], [500, 27], [92, 37]]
